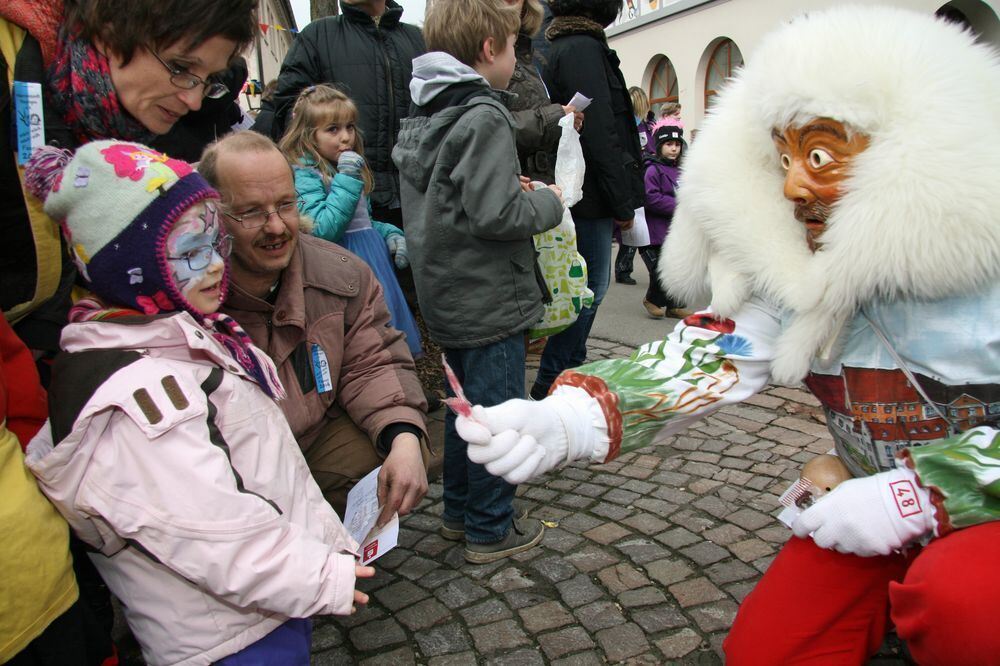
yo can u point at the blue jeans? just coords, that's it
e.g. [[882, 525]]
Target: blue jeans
[[569, 348], [490, 375]]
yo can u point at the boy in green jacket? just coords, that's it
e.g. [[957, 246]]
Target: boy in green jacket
[[469, 223]]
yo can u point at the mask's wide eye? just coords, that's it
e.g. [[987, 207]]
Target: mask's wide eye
[[786, 162], [819, 158]]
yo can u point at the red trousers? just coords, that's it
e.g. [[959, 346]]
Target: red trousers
[[817, 606]]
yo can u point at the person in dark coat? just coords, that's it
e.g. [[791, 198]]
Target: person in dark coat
[[536, 116], [367, 52], [579, 60], [644, 128]]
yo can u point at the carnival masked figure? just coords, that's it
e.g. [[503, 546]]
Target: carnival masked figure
[[841, 212]]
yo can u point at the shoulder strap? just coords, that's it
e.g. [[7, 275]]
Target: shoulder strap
[[884, 339]]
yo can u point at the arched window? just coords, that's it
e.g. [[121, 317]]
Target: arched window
[[725, 59], [663, 85]]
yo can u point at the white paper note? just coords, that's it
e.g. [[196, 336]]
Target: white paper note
[[361, 515], [580, 102]]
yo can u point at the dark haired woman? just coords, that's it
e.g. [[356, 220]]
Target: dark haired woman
[[104, 69], [579, 60], [108, 69]]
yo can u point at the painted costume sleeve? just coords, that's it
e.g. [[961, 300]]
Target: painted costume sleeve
[[660, 198], [665, 386], [496, 206], [200, 522], [963, 476], [331, 211]]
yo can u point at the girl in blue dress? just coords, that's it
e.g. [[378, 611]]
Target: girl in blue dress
[[333, 181]]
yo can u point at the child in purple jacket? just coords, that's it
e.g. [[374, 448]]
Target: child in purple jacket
[[662, 172]]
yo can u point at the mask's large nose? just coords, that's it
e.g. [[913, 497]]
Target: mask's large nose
[[797, 184]]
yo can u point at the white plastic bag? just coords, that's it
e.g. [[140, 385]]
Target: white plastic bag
[[563, 267], [569, 162]]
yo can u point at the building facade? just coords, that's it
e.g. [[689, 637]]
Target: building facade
[[276, 30], [683, 50]]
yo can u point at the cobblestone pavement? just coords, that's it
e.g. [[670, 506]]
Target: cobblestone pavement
[[647, 559]]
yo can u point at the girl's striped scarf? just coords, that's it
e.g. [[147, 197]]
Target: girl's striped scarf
[[222, 327]]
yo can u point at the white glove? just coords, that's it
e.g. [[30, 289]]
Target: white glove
[[874, 515], [521, 439], [397, 248]]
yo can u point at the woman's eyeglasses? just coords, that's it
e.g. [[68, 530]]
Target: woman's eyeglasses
[[182, 78]]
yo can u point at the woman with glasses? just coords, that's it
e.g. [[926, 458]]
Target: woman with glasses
[[86, 70], [99, 69]]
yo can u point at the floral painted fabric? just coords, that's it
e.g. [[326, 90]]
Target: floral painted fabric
[[875, 417]]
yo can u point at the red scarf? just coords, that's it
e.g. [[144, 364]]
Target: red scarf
[[80, 91], [41, 18]]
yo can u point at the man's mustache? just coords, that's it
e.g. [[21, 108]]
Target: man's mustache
[[813, 212], [271, 240]]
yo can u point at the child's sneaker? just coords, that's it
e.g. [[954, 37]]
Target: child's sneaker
[[454, 530], [523, 534]]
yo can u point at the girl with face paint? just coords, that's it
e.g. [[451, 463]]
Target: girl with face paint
[[197, 248], [166, 402]]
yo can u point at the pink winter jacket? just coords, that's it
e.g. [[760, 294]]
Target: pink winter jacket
[[185, 478]]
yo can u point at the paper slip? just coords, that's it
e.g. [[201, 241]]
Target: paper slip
[[580, 102], [360, 517]]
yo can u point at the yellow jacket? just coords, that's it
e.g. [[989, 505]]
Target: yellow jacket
[[37, 584], [45, 257]]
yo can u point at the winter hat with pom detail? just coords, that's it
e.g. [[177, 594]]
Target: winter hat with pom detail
[[117, 202], [668, 129]]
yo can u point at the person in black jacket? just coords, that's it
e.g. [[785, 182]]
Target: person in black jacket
[[579, 60], [367, 52]]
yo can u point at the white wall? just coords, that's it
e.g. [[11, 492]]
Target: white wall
[[273, 46], [688, 37]]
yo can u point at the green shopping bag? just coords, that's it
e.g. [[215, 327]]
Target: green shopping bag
[[564, 269]]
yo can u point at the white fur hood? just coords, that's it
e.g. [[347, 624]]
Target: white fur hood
[[920, 213]]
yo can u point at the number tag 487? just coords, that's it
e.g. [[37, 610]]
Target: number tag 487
[[907, 500]]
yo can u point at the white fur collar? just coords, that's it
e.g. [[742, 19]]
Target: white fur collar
[[920, 214]]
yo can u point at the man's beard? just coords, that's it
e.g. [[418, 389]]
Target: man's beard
[[815, 213]]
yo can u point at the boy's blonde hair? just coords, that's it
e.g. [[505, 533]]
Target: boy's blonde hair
[[316, 107], [459, 27], [532, 16], [670, 109]]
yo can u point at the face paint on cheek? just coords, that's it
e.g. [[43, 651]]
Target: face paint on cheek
[[197, 228]]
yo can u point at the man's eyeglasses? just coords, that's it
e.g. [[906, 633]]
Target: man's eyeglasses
[[182, 78], [200, 257], [254, 219]]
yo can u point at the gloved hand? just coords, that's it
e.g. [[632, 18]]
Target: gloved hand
[[521, 439], [397, 248], [875, 515], [349, 163]]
